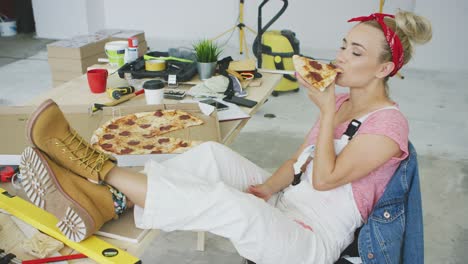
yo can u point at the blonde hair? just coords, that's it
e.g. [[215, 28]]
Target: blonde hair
[[410, 28]]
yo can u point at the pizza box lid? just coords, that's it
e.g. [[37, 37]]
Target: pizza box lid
[[14, 119]]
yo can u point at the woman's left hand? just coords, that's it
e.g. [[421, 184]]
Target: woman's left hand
[[325, 100], [260, 190]]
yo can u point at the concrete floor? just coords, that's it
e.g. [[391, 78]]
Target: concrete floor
[[436, 104]]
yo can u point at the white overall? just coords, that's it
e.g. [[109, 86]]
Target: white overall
[[203, 189]]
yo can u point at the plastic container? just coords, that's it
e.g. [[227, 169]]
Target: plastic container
[[7, 26], [115, 51]]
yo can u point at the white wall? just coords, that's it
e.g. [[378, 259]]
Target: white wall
[[58, 19], [95, 15], [448, 48], [319, 25]]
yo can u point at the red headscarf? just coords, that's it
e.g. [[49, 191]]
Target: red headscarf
[[392, 39]]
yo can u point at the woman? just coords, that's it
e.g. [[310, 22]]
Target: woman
[[212, 188]]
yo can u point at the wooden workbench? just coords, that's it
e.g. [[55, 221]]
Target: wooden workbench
[[77, 92]]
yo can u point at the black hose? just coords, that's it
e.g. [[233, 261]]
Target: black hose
[[258, 39]]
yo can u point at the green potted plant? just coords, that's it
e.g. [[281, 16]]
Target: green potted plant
[[206, 52]]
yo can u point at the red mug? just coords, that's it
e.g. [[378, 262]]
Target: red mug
[[97, 80]]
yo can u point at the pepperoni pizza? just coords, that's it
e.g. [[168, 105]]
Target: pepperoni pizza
[[142, 133], [319, 75]]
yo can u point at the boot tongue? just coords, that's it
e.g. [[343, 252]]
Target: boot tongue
[[83, 151], [101, 163], [106, 167]]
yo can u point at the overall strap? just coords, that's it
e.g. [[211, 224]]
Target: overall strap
[[355, 124]]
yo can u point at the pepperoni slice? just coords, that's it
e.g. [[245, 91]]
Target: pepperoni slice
[[148, 146], [183, 144], [130, 122], [158, 113], [145, 125], [106, 146], [163, 128], [112, 126], [108, 136], [317, 77], [315, 65], [163, 140], [184, 117], [124, 133], [126, 151], [156, 152], [133, 142]]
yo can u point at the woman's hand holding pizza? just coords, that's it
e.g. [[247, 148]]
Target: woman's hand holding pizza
[[325, 100], [319, 79]]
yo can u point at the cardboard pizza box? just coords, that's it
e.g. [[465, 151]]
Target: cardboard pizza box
[[14, 118]]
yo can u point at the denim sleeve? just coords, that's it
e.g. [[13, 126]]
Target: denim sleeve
[[413, 249]]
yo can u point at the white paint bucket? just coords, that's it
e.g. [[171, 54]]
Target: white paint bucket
[[115, 51], [7, 26]]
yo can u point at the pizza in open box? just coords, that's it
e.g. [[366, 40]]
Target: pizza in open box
[[142, 133]]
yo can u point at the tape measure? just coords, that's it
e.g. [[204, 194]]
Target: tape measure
[[7, 172], [117, 93], [155, 65]]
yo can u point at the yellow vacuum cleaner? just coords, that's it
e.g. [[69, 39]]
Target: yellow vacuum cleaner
[[274, 50]]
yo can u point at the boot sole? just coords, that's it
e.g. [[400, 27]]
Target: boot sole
[[43, 189], [33, 119]]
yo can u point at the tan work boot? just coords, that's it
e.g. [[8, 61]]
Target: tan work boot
[[82, 207], [49, 131]]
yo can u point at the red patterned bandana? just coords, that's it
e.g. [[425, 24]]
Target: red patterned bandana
[[392, 39]]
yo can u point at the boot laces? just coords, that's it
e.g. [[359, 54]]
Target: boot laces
[[90, 157]]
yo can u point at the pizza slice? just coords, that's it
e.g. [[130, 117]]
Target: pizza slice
[[318, 74]]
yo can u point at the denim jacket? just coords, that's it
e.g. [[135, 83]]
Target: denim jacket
[[394, 230]]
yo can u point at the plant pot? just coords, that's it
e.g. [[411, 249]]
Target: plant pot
[[206, 69]]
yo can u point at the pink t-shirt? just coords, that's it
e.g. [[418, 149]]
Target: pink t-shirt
[[389, 122]]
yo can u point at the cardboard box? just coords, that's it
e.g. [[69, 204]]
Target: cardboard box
[[77, 47], [65, 76], [57, 83], [74, 65], [14, 118], [122, 34], [84, 46], [142, 48]]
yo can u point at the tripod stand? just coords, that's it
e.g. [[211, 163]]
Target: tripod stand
[[240, 26]]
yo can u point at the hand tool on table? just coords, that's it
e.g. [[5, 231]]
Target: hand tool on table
[[98, 106], [118, 92], [93, 247], [7, 258]]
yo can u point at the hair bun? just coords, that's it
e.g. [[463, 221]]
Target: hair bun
[[417, 28]]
